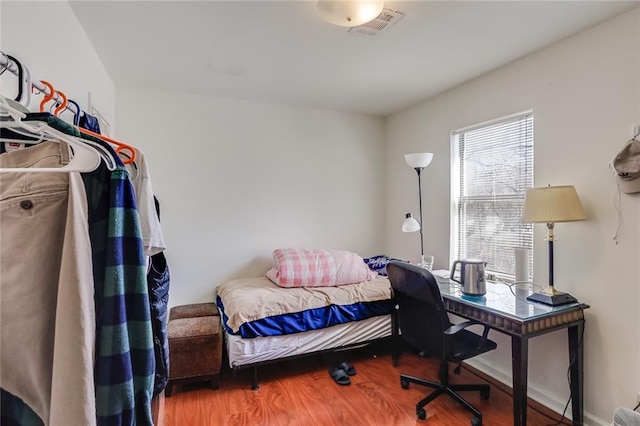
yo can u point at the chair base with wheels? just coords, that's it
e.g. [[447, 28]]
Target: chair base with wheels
[[445, 387]]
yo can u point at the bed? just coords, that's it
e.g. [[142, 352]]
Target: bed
[[266, 323]]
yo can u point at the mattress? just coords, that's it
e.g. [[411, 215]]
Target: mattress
[[244, 352], [256, 307]]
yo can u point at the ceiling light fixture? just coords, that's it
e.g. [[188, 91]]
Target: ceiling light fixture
[[349, 13]]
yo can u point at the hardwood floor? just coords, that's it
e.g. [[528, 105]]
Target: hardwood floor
[[301, 393]]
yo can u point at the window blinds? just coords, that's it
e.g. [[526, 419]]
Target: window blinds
[[496, 168]]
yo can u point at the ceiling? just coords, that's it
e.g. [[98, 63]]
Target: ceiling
[[282, 51]]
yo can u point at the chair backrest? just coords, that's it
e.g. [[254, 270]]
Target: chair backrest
[[422, 316]]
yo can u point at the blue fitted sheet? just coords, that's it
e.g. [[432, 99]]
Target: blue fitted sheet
[[311, 319]]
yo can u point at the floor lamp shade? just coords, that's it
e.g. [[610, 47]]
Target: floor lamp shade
[[549, 205], [418, 160]]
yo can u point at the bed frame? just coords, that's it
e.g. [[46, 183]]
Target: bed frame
[[346, 336]]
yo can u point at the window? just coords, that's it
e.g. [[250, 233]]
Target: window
[[492, 169]]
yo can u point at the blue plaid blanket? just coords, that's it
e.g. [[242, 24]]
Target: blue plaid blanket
[[125, 361]]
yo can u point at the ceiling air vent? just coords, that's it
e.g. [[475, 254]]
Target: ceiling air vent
[[384, 21]]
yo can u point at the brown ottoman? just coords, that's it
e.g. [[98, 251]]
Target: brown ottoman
[[195, 349], [192, 311]]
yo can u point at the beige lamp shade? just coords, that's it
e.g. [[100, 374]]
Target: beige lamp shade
[[349, 13], [551, 204]]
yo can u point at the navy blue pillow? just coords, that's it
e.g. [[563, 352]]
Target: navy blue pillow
[[379, 263]]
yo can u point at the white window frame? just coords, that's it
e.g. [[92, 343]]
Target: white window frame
[[456, 188]]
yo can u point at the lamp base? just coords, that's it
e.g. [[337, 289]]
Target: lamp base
[[552, 297]]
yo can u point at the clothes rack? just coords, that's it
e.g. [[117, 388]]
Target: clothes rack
[[51, 94], [11, 66], [95, 314]]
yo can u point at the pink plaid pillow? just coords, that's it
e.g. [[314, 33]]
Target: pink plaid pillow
[[317, 268]]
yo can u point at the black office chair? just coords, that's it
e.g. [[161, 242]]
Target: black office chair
[[424, 323]]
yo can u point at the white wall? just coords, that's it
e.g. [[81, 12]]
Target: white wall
[[47, 38], [584, 92], [237, 179]]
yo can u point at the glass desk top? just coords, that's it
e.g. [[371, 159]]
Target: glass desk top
[[503, 300]]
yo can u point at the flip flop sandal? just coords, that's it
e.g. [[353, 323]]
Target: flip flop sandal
[[347, 367], [339, 376]]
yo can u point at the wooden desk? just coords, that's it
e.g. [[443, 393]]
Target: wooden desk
[[513, 315]]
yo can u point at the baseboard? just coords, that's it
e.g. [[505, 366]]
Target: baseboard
[[536, 399]]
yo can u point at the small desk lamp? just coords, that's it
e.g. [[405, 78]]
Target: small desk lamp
[[417, 161], [549, 205]]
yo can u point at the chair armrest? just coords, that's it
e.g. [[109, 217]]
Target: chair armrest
[[460, 326], [455, 328]]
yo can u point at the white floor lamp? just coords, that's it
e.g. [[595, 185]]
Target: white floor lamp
[[418, 161]]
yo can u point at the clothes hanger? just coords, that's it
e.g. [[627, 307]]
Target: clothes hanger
[[20, 75], [27, 136], [68, 108], [63, 105], [133, 167], [106, 155], [120, 145], [47, 96], [32, 137], [29, 88], [22, 100], [76, 115], [25, 77], [85, 158], [24, 82], [23, 97]]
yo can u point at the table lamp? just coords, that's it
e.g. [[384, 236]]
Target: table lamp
[[417, 161], [552, 204]]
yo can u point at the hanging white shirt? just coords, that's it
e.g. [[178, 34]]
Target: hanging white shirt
[[152, 236]]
